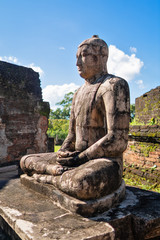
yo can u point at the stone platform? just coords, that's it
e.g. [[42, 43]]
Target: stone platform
[[27, 215], [84, 208]]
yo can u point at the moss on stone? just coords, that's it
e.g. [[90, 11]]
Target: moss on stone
[[136, 134], [147, 179], [44, 109], [151, 134], [145, 148]]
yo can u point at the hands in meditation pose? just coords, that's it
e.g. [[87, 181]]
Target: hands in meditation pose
[[89, 164]]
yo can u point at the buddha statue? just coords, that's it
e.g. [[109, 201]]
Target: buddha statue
[[89, 164]]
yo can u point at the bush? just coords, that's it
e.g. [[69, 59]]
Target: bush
[[58, 128]]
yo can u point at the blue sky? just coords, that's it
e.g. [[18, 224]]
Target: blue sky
[[44, 35]]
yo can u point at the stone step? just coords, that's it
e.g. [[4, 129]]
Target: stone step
[[33, 216]]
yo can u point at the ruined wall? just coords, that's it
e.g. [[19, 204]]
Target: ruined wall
[[143, 147], [23, 114], [148, 106], [144, 141]]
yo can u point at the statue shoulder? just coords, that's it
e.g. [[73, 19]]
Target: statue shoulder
[[113, 83]]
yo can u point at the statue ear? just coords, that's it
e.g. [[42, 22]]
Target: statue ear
[[104, 51]]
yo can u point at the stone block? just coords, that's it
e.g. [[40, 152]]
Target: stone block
[[33, 216], [84, 208], [147, 106], [23, 114]]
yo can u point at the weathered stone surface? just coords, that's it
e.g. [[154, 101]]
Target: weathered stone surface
[[84, 208], [89, 164], [137, 217], [143, 147], [23, 114], [35, 217], [148, 106], [146, 133]]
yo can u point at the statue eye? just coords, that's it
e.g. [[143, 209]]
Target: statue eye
[[95, 58], [84, 54]]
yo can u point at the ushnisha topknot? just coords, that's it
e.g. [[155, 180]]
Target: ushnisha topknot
[[95, 41]]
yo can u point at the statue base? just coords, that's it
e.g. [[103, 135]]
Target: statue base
[[85, 208], [26, 214]]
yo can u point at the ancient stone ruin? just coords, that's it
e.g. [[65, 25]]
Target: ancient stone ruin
[[85, 176], [23, 114], [144, 140], [147, 107]]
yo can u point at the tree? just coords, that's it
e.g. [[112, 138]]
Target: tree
[[59, 119], [132, 111], [58, 128], [64, 111]]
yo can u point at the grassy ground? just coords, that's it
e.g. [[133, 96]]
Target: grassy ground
[[147, 179], [56, 148], [141, 182]]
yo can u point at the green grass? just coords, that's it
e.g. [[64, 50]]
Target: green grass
[[140, 182], [56, 148]]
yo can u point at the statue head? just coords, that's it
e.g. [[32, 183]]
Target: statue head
[[92, 57]]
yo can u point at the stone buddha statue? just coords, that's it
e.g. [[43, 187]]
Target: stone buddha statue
[[89, 164]]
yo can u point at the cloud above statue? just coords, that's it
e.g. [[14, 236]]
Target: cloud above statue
[[123, 65], [55, 93]]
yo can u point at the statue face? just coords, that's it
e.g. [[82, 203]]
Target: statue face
[[89, 62]]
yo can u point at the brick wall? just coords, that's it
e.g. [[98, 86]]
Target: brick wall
[[148, 106], [23, 114], [143, 146]]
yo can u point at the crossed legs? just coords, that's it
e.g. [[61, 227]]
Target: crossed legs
[[92, 180]]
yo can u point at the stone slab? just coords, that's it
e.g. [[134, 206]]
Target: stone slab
[[33, 216], [84, 208]]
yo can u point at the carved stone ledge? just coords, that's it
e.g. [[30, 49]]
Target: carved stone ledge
[[84, 208]]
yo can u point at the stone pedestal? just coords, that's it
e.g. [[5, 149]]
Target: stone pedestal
[[84, 208], [26, 214]]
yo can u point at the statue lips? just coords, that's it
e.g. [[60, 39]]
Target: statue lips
[[79, 69]]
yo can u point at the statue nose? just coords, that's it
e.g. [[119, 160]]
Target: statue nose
[[79, 61]]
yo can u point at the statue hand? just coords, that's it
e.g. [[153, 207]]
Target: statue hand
[[68, 161], [65, 154], [72, 161], [54, 169]]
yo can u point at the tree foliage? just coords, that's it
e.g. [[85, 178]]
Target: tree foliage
[[58, 128], [59, 119], [63, 112], [132, 111]]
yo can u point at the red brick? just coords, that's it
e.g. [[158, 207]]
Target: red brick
[[151, 159], [150, 164], [154, 154], [157, 164]]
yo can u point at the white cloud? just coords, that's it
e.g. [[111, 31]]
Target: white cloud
[[140, 84], [61, 48], [15, 60], [10, 59], [123, 65], [133, 49], [55, 93], [36, 69]]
